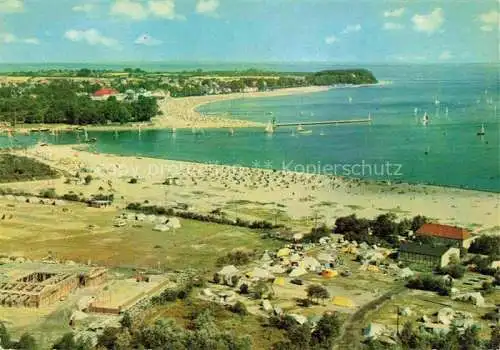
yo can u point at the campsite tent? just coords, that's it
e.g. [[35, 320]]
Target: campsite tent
[[280, 281], [283, 252], [298, 271], [161, 228], [327, 273], [258, 273], [342, 301], [174, 223]]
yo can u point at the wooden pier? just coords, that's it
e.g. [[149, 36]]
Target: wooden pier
[[328, 122]]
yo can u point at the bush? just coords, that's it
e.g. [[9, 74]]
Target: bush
[[244, 288], [236, 258], [132, 181], [48, 193], [27, 342], [454, 270], [430, 283], [486, 245], [88, 179], [239, 308]]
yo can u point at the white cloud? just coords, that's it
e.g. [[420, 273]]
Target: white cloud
[[164, 9], [140, 10], [392, 26], [88, 7], [331, 39], [91, 37], [128, 8], [31, 41], [11, 5], [9, 38], [207, 6], [429, 23], [147, 40], [489, 21], [408, 58], [351, 29], [394, 13], [445, 55]]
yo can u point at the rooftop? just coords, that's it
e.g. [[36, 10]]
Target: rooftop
[[423, 249], [443, 231]]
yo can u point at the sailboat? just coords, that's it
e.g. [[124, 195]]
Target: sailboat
[[436, 101], [446, 111], [425, 119], [86, 135], [415, 111], [231, 131], [301, 130], [481, 131], [350, 99]]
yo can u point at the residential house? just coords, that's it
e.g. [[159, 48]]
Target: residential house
[[446, 235]]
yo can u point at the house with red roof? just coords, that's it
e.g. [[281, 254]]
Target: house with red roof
[[446, 234]]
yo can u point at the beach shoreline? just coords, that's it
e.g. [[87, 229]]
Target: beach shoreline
[[301, 196], [178, 113]]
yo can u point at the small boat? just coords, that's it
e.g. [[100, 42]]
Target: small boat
[[305, 132], [425, 119], [481, 132], [300, 128], [91, 140], [321, 133], [436, 101], [231, 131]]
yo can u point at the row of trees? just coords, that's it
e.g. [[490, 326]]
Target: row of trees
[[303, 336], [60, 102], [158, 210], [384, 229]]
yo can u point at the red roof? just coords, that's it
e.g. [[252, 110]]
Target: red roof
[[105, 92], [443, 231]]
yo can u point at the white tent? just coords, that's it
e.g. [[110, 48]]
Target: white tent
[[174, 223], [299, 271], [310, 263], [258, 273], [161, 228]]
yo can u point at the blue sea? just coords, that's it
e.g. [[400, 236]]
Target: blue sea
[[396, 146]]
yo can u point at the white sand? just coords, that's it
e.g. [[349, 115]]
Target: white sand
[[206, 187]]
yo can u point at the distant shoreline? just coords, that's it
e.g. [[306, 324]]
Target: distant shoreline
[[180, 113]]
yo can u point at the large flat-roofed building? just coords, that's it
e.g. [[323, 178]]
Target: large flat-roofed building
[[446, 235], [426, 255], [38, 285]]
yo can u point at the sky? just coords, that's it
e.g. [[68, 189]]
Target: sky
[[382, 31]]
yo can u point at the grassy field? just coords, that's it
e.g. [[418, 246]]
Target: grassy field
[[262, 337], [79, 233]]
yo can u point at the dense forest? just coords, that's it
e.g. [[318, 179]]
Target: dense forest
[[61, 101]]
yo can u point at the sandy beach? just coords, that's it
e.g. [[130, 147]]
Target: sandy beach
[[181, 113], [297, 199]]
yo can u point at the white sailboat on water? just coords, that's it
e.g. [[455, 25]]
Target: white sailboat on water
[[436, 101], [481, 131], [425, 119], [301, 130]]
